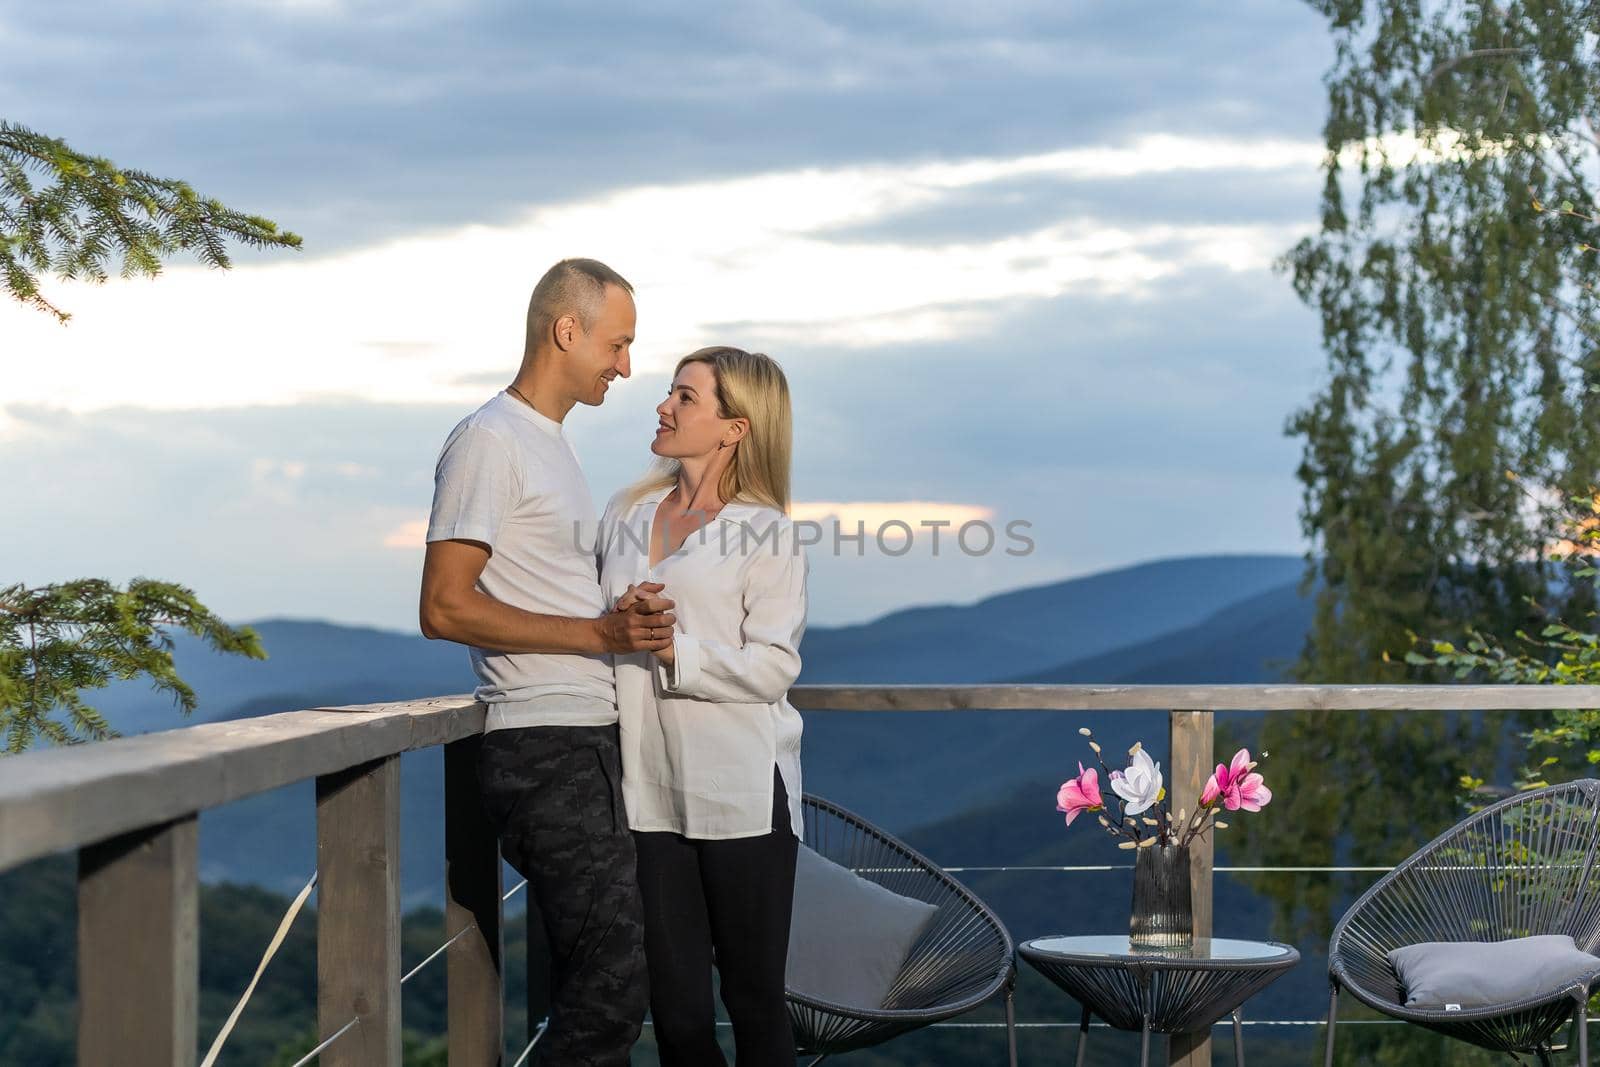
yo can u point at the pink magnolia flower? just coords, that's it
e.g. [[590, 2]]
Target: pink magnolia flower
[[1080, 794], [1253, 793], [1236, 785]]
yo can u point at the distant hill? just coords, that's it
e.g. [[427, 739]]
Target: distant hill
[[1203, 619], [1254, 640], [308, 663], [883, 762], [1034, 629]]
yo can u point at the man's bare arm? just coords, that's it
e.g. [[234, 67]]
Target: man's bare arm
[[453, 609]]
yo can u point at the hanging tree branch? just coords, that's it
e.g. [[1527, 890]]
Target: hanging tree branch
[[72, 215], [1466, 57], [58, 640]]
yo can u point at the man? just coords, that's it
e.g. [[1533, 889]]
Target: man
[[511, 571]]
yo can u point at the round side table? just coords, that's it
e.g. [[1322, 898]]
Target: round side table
[[1167, 991]]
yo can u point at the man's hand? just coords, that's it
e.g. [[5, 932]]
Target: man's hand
[[454, 609], [642, 593], [645, 625]]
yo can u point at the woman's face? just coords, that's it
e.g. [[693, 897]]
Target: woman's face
[[689, 424]]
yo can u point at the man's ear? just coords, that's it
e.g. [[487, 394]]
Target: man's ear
[[564, 332]]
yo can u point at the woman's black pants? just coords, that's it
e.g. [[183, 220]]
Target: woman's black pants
[[727, 901]]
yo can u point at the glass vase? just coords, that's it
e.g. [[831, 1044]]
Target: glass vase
[[1163, 911]]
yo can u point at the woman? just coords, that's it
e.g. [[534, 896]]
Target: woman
[[710, 744]]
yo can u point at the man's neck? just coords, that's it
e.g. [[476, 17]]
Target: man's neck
[[541, 392]]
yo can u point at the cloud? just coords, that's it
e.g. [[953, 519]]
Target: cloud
[[426, 318], [411, 534], [1012, 255], [897, 520], [351, 121], [1118, 431], [266, 470]]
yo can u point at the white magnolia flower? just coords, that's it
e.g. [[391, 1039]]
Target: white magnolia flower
[[1140, 785]]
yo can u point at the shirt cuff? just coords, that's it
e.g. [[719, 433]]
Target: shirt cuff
[[684, 674]]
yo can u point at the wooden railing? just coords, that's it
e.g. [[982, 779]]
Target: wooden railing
[[130, 808]]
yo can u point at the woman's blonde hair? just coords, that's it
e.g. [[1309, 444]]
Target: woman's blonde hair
[[750, 385]]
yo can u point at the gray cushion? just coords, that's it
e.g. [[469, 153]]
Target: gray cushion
[[848, 937], [1461, 975]]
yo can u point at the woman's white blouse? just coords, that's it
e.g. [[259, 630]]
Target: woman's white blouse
[[699, 741]]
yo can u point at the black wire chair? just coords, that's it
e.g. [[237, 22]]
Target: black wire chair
[[964, 958], [1523, 866]]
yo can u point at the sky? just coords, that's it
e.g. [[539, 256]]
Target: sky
[[1017, 260]]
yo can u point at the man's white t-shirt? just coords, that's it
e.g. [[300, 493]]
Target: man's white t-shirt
[[507, 477]]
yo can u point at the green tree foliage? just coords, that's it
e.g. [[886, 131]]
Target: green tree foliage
[[58, 640], [38, 959], [1567, 742], [1456, 318], [72, 215], [1456, 301], [69, 214]]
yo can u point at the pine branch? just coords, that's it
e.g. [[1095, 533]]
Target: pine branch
[[86, 212], [57, 641]]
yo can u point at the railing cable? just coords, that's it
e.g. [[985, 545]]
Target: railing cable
[[330, 1039], [435, 953], [537, 1034], [272, 950], [1092, 868], [300, 899], [277, 942]]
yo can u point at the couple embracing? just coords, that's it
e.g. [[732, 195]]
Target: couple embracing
[[641, 762]]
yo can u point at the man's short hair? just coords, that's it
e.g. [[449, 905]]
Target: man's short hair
[[574, 287]]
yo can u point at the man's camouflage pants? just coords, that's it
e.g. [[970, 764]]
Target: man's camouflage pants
[[554, 794]]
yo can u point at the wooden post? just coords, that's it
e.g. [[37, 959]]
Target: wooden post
[[1190, 734], [138, 947], [476, 998], [358, 913]]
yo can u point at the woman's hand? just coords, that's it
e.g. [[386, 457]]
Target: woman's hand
[[664, 654], [635, 593]]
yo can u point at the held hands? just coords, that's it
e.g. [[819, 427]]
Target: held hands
[[640, 622], [635, 593]]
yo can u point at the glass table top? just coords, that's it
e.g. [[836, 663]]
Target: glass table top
[[1212, 949]]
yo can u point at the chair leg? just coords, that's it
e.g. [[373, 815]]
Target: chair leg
[[1238, 1039], [1333, 1019], [1544, 1055], [1144, 1044], [1083, 1037], [1583, 1027], [1011, 1024]]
